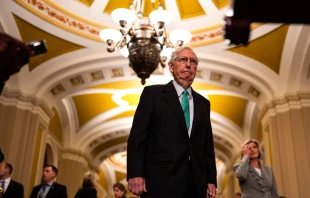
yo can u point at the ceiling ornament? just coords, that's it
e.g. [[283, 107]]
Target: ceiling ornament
[[53, 13], [144, 40], [58, 16]]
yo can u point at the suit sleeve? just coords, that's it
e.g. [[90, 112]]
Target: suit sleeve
[[33, 194], [21, 192], [241, 169], [63, 192], [209, 152], [93, 194], [136, 146]]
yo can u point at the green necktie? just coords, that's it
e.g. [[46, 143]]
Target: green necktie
[[185, 107]]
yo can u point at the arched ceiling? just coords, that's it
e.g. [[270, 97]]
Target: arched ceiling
[[94, 94]]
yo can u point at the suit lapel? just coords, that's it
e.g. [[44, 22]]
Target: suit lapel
[[9, 189], [51, 190], [171, 96], [197, 111], [258, 178]]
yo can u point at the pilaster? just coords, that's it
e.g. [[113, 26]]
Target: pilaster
[[286, 136]]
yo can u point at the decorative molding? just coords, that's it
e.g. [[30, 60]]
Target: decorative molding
[[116, 72], [199, 74], [53, 13], [235, 82], [110, 152], [289, 101], [58, 89], [68, 21], [253, 91], [27, 102], [75, 158], [77, 80], [96, 75], [206, 36], [107, 137], [78, 156], [216, 77]]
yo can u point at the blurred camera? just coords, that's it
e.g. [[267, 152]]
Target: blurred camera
[[38, 47], [245, 12]]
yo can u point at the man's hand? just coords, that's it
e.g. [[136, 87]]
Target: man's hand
[[136, 186], [211, 190], [13, 55]]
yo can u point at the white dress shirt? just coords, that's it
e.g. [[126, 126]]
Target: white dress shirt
[[6, 183]]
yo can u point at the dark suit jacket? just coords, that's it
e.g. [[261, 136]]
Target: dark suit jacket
[[14, 190], [56, 191], [86, 192], [159, 146]]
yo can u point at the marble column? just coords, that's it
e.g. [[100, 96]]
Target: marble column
[[230, 183], [286, 126], [73, 165], [23, 123]]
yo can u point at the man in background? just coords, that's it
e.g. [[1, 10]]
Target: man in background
[[49, 188], [10, 188]]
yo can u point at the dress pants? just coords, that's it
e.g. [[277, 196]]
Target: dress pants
[[191, 190]]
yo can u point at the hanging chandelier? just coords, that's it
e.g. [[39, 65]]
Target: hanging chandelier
[[144, 40]]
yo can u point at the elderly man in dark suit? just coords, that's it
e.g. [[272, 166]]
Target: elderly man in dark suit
[[9, 187], [170, 147], [49, 188]]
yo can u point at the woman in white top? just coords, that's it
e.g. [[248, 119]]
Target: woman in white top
[[255, 179]]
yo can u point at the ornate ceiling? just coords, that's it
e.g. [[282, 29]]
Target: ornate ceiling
[[93, 94]]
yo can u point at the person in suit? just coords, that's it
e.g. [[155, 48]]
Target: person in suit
[[10, 188], [119, 190], [49, 188], [256, 180], [170, 151], [89, 184]]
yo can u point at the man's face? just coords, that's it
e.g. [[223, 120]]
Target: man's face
[[184, 71], [3, 170], [48, 174]]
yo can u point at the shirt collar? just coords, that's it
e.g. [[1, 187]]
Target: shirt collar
[[7, 180], [180, 89], [49, 183]]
